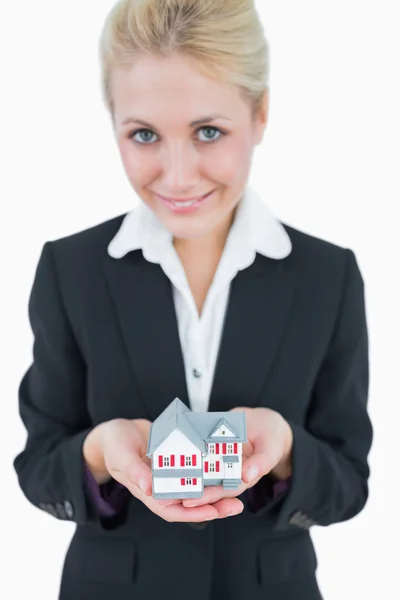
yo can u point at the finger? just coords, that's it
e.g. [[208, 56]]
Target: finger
[[180, 513], [211, 494], [168, 502], [174, 512], [228, 507]]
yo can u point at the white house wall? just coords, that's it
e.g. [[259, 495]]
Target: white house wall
[[234, 472], [222, 432], [177, 443], [169, 485]]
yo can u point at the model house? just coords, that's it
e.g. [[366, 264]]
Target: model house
[[190, 450]]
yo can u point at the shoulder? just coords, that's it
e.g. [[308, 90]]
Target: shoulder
[[77, 258], [92, 241], [312, 252], [322, 266], [307, 244]]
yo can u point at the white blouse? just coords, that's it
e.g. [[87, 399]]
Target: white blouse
[[255, 229]]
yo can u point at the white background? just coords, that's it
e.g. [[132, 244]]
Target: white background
[[329, 165]]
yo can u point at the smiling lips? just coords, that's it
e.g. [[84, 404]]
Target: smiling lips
[[183, 206]]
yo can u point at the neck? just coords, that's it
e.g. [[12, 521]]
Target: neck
[[213, 242]]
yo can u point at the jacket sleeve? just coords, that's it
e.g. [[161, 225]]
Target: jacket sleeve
[[330, 451], [52, 406]]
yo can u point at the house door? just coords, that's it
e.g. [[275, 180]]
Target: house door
[[228, 470]]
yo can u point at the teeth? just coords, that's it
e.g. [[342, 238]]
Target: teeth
[[184, 204]]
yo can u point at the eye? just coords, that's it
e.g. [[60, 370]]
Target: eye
[[145, 141], [140, 131], [209, 128]]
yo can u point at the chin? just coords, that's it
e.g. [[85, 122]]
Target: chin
[[187, 231]]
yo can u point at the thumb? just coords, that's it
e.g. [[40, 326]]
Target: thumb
[[138, 471], [140, 474], [127, 459], [258, 465]]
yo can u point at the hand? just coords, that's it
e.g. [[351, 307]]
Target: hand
[[268, 450], [117, 449]]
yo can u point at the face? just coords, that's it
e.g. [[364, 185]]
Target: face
[[191, 175]]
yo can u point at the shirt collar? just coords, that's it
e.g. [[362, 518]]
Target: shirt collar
[[255, 228]]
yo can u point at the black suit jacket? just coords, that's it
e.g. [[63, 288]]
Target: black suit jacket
[[107, 345]]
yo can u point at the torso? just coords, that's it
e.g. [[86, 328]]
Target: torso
[[200, 273]]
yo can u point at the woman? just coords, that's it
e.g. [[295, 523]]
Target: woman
[[199, 293]]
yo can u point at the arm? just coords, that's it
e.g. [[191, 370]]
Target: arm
[[52, 406], [330, 468]]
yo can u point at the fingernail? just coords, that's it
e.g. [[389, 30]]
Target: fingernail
[[143, 485], [232, 514], [252, 473], [210, 518]]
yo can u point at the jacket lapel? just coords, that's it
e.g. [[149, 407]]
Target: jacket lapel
[[143, 300], [258, 309]]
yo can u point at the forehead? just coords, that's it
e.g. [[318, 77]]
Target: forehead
[[153, 84]]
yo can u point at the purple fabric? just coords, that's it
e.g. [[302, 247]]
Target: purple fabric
[[267, 490], [109, 498]]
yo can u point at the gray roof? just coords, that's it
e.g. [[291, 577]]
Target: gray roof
[[198, 427]]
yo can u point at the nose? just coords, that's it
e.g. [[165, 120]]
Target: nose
[[180, 167]]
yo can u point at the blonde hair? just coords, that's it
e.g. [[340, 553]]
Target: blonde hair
[[224, 37]]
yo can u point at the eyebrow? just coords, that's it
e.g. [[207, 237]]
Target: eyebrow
[[206, 119]]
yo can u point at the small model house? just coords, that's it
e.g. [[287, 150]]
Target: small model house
[[190, 450]]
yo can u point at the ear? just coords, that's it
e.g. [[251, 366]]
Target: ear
[[261, 118]]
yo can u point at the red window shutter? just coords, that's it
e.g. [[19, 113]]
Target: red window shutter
[[183, 481], [172, 460], [217, 448], [182, 460], [217, 467], [224, 448], [194, 480], [235, 448], [160, 461], [194, 460], [206, 467]]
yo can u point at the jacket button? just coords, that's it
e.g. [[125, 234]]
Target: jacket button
[[61, 514], [301, 520], [69, 509]]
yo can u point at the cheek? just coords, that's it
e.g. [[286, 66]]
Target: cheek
[[134, 162], [231, 164]]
